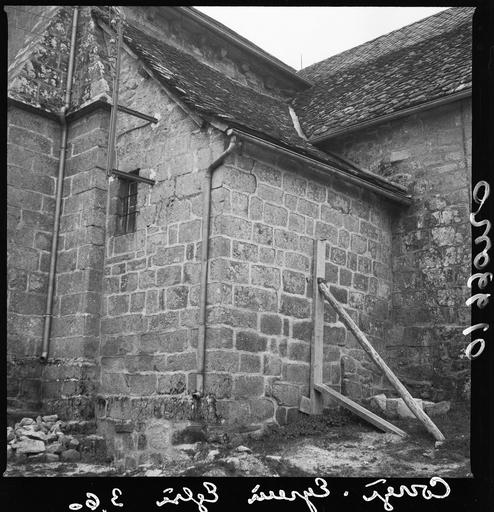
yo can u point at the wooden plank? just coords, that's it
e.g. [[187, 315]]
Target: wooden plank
[[366, 345], [316, 353], [359, 410], [305, 405]]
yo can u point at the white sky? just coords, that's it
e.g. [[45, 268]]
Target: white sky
[[314, 32]]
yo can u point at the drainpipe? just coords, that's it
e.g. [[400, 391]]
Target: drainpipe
[[206, 209], [58, 201]]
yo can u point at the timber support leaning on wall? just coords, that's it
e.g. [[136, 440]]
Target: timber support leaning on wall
[[317, 386]]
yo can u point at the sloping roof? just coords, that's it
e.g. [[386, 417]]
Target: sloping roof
[[237, 39], [213, 94], [421, 62]]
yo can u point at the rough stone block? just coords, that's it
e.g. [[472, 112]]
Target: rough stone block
[[176, 297], [358, 244], [250, 363], [268, 277], [285, 393], [169, 256], [222, 361], [295, 306], [294, 372], [267, 174], [244, 251], [360, 282], [294, 282], [250, 341], [141, 384], [299, 351], [189, 231], [184, 361], [272, 365], [286, 240], [261, 409], [228, 270], [255, 299], [262, 234], [247, 386], [275, 215], [234, 227], [219, 246], [271, 194], [294, 184], [219, 337], [171, 384], [271, 324], [219, 385]]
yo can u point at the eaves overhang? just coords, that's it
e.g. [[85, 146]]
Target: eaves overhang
[[344, 130], [243, 43], [369, 181]]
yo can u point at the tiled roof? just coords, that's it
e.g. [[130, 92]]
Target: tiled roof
[[416, 64], [213, 94]]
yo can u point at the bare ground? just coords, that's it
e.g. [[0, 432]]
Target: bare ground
[[335, 445]]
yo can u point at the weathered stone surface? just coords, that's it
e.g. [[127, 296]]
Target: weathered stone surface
[[55, 448], [70, 455], [250, 341], [29, 446], [437, 409], [286, 394]]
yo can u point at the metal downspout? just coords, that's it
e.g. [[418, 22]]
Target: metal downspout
[[58, 201], [206, 211]]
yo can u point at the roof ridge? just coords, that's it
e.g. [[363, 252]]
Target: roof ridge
[[204, 63], [451, 11], [392, 54], [237, 35]]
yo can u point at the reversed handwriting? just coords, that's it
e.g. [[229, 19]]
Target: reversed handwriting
[[413, 490], [292, 495]]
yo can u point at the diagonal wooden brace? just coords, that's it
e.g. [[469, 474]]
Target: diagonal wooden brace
[[393, 379]]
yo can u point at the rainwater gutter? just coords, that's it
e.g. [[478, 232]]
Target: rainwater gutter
[[457, 96], [388, 189], [206, 212], [62, 118]]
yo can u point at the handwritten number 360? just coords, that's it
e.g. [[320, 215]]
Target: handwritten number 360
[[92, 502]]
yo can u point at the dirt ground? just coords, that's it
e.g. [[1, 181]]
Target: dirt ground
[[333, 445]]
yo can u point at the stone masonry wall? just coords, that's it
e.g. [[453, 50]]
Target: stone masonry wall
[[21, 25], [32, 156], [431, 153], [151, 277], [71, 375], [266, 216], [213, 50]]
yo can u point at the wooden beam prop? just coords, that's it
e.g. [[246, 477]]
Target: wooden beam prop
[[316, 352], [359, 410], [366, 345]]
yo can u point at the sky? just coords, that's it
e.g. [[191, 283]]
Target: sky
[[314, 33]]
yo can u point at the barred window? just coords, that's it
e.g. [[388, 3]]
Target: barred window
[[128, 206]]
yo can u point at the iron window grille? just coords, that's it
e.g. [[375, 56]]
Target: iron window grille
[[128, 205]]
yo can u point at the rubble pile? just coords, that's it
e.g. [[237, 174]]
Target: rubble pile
[[46, 439]]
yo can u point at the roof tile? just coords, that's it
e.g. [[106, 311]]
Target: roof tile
[[419, 63]]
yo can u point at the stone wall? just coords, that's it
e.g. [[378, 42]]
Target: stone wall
[[70, 376], [32, 156], [22, 21], [214, 50], [151, 276], [267, 214], [430, 152], [264, 218]]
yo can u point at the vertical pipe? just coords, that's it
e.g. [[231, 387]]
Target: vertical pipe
[[59, 193], [110, 156], [206, 212]]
